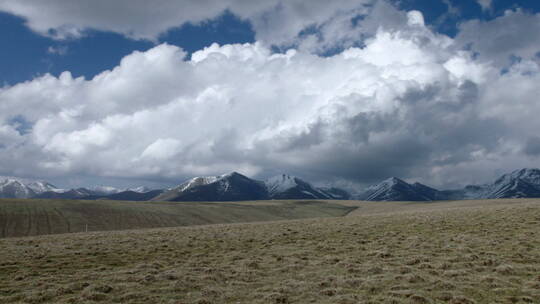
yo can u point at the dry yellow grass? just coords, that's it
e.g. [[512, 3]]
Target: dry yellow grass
[[450, 252], [29, 217]]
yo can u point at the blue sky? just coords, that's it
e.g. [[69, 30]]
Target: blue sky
[[342, 92], [25, 54]]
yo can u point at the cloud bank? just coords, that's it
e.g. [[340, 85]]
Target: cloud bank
[[408, 102], [274, 21]]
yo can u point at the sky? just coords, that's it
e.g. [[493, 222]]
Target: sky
[[345, 92]]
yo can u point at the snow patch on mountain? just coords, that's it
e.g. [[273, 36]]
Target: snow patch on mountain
[[531, 176], [227, 187], [15, 187], [517, 184], [280, 183], [290, 187], [205, 180], [395, 189], [140, 189]]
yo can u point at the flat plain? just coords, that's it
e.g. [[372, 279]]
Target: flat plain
[[443, 252], [27, 217]]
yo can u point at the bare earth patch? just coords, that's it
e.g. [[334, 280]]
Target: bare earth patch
[[486, 254]]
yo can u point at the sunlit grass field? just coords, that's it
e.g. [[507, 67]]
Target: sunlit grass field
[[445, 252]]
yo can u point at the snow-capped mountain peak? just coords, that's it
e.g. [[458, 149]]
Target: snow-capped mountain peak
[[14, 187], [392, 181], [526, 174], [519, 183], [285, 186], [223, 181], [281, 183], [231, 186], [198, 181], [395, 189], [386, 184], [140, 189]]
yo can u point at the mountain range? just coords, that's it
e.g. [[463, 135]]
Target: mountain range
[[237, 187], [234, 186]]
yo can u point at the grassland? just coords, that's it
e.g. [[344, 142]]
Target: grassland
[[451, 252], [37, 217]]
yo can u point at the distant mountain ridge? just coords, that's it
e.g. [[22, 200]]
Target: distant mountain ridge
[[517, 184], [395, 189], [523, 183], [290, 187], [228, 187], [14, 187], [237, 187]]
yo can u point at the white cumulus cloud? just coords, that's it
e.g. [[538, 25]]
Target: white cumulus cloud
[[514, 34], [274, 21], [409, 103]]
